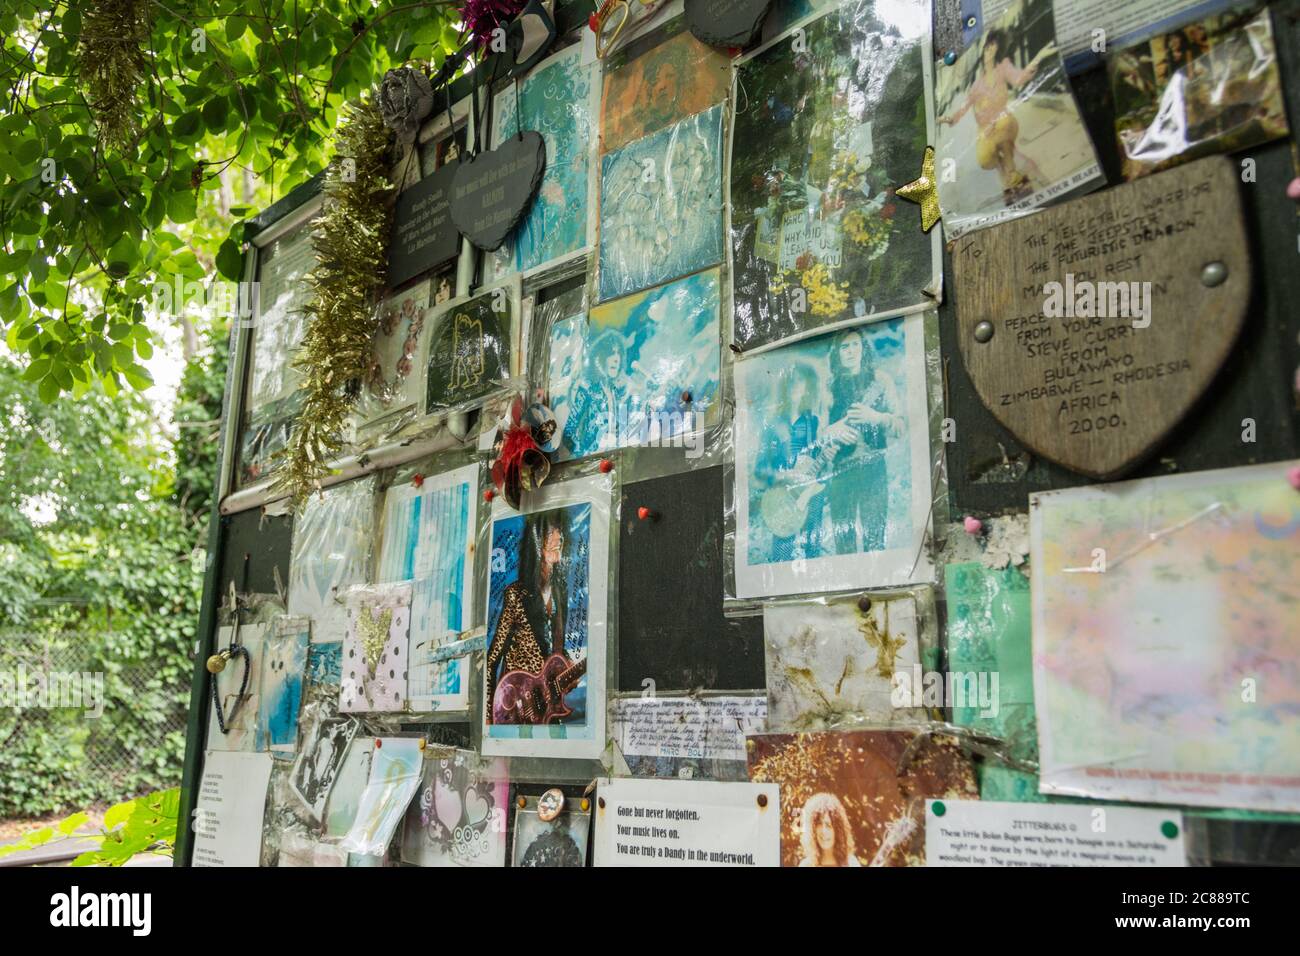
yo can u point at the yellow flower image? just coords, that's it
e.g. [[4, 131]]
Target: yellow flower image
[[865, 230], [825, 297], [847, 169]]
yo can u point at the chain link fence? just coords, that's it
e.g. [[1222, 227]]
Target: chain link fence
[[79, 724]]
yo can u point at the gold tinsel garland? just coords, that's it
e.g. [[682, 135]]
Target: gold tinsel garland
[[112, 67], [350, 239]]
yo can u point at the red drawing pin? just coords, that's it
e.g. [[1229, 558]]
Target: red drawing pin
[[644, 513], [417, 479], [606, 466], [489, 495]]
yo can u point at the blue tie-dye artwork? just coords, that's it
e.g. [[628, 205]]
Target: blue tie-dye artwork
[[555, 101], [325, 663], [620, 378], [661, 205], [284, 661], [428, 540]]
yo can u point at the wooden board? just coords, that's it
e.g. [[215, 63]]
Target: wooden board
[[1090, 329], [990, 470]]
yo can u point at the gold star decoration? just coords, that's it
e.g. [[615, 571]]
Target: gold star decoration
[[924, 191]]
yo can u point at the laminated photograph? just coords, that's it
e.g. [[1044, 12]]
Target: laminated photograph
[[831, 118], [1210, 87], [332, 538], [1010, 136], [543, 838], [642, 369], [858, 798], [544, 693], [325, 741], [656, 79], [832, 472]]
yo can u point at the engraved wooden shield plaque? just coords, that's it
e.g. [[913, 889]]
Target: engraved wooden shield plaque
[[1090, 329]]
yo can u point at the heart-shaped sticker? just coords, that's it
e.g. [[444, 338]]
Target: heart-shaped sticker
[[494, 190]]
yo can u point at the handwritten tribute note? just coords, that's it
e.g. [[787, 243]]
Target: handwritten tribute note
[[711, 728]]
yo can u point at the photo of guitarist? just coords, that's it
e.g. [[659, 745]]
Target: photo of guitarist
[[864, 417], [808, 467], [528, 645]]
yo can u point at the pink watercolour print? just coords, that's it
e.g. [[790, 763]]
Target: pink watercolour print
[[1167, 639]]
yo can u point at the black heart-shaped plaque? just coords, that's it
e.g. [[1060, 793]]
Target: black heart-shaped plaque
[[726, 22], [493, 191]]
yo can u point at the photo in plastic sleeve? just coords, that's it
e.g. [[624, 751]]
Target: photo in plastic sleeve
[[395, 771], [458, 818], [330, 553], [561, 842], [990, 656], [393, 382], [661, 206], [241, 714], [267, 432], [325, 663], [1211, 87], [657, 79], [301, 850], [547, 606], [349, 781], [1203, 710], [471, 350], [428, 539], [643, 369], [278, 325], [832, 478], [284, 665], [858, 798], [835, 664], [325, 740], [376, 648], [1010, 138], [558, 99], [829, 121]]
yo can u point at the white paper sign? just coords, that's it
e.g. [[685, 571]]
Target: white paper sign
[[710, 728], [980, 833], [687, 823], [228, 819]]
